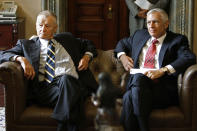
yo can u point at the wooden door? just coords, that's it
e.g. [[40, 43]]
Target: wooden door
[[102, 21]]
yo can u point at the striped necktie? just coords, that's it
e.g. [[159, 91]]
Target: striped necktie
[[150, 55], [50, 63]]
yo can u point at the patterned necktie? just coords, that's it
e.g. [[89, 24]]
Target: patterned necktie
[[150, 55], [50, 63]]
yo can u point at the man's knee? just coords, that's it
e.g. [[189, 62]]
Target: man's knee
[[127, 95], [127, 98], [68, 81], [141, 80], [68, 78], [141, 86]]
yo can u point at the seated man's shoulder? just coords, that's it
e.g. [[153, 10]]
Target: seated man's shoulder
[[64, 34], [176, 36], [28, 41]]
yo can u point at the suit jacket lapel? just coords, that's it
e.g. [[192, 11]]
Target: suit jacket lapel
[[138, 50], [34, 51], [37, 48], [162, 52], [70, 48]]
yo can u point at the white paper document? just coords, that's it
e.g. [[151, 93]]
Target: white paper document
[[144, 4], [141, 70]]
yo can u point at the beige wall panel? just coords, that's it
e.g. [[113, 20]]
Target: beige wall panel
[[29, 10]]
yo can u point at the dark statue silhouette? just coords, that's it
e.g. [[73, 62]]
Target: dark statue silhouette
[[107, 118]]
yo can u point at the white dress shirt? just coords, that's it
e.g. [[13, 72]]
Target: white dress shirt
[[63, 62]]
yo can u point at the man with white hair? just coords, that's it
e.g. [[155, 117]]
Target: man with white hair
[[163, 55], [56, 67]]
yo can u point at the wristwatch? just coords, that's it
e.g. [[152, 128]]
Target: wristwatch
[[165, 70]]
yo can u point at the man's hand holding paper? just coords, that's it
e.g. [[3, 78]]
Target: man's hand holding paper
[[151, 73], [143, 4], [142, 13], [141, 70]]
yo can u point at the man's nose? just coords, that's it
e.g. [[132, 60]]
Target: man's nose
[[43, 28]]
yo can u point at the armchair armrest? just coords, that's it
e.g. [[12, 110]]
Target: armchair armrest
[[11, 75], [188, 94]]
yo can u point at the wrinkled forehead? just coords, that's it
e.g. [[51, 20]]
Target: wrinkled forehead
[[155, 16]]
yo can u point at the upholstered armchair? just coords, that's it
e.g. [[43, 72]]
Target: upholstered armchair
[[20, 117]]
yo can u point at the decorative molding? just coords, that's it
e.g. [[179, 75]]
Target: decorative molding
[[59, 8], [181, 18], [49, 5]]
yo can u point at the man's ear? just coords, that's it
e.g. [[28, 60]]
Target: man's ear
[[166, 24], [55, 28]]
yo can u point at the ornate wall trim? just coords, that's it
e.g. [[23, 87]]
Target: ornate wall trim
[[59, 8], [181, 18]]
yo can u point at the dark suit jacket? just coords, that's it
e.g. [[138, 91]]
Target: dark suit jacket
[[174, 51], [75, 47]]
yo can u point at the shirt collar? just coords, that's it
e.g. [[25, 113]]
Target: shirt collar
[[44, 41], [160, 39]]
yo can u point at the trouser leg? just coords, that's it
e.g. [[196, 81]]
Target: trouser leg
[[142, 95], [147, 94], [137, 103], [69, 103], [142, 99], [69, 99], [128, 119], [65, 95]]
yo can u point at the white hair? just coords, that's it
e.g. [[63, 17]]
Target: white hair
[[162, 12], [47, 13]]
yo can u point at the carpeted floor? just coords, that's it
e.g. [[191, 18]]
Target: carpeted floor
[[2, 119]]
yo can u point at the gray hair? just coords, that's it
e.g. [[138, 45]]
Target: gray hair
[[47, 13], [164, 15]]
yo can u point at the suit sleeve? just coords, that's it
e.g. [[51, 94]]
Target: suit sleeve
[[124, 45], [185, 57], [7, 54], [87, 46]]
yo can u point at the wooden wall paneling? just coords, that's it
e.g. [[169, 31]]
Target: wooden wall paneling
[[123, 20], [102, 21]]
